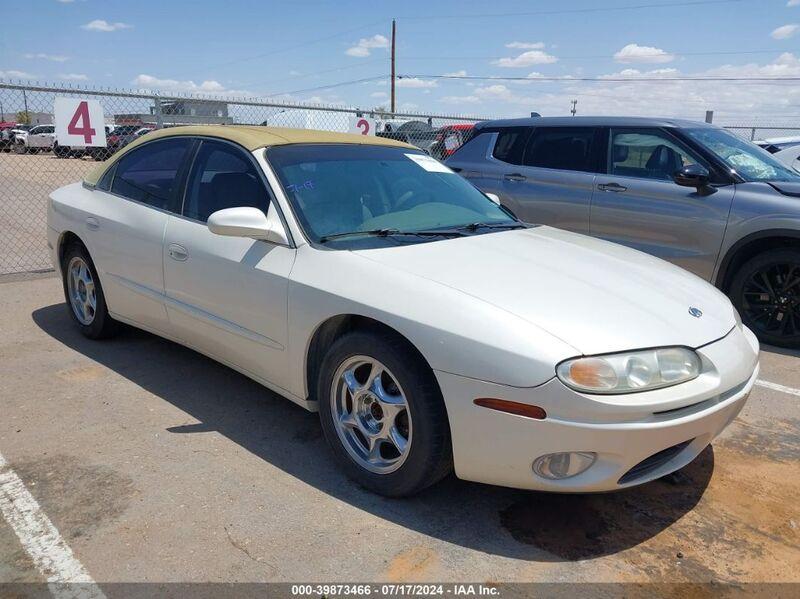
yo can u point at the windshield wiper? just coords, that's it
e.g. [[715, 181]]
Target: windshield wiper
[[394, 233], [476, 226]]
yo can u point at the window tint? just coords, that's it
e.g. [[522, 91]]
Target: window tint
[[568, 148], [149, 174], [510, 144], [647, 154], [223, 176]]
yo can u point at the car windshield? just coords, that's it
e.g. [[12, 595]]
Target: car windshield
[[339, 189], [745, 158]]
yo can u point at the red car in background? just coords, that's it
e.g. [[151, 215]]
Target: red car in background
[[449, 138]]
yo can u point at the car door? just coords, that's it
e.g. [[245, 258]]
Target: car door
[[40, 137], [639, 205], [553, 184], [227, 296], [126, 224]]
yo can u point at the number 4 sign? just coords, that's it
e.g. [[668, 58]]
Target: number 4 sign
[[362, 125], [79, 122]]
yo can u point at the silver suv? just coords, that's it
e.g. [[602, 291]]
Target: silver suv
[[687, 192]]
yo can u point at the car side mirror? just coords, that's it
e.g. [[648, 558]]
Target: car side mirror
[[692, 175], [246, 221]]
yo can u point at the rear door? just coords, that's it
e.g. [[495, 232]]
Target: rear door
[[553, 184], [126, 228], [639, 205]]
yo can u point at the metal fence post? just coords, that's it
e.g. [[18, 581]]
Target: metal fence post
[[158, 113]]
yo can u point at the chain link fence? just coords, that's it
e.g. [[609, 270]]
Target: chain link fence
[[33, 164]]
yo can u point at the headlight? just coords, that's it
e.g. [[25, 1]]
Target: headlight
[[631, 371]]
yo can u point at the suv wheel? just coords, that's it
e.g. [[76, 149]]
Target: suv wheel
[[383, 414], [766, 291]]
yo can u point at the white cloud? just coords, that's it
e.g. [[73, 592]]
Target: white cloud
[[636, 53], [526, 59], [65, 1], [784, 32], [102, 25], [13, 74], [416, 82], [50, 57], [365, 44], [461, 73], [73, 77], [378, 95], [460, 99], [793, 3], [526, 45], [175, 85]]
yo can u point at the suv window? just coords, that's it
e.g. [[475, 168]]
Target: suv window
[[563, 148], [223, 176], [510, 144], [648, 154], [149, 174]]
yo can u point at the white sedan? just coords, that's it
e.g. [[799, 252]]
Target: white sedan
[[430, 328]]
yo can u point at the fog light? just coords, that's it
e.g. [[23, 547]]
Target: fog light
[[563, 465]]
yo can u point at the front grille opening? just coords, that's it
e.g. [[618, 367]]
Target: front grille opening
[[655, 461]]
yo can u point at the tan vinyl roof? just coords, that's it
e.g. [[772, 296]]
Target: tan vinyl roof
[[250, 136]]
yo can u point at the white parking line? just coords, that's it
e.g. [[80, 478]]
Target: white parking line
[[777, 387], [67, 577]]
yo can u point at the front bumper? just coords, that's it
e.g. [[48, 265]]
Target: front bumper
[[629, 433]]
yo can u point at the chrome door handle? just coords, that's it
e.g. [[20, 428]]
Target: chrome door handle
[[178, 252], [92, 223], [615, 187], [514, 177]]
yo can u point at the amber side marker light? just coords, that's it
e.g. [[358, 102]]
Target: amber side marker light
[[511, 407]]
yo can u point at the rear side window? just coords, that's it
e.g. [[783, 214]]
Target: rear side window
[[563, 148], [510, 144], [223, 176], [149, 174]]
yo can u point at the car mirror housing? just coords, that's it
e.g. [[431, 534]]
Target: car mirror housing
[[246, 221], [692, 175]]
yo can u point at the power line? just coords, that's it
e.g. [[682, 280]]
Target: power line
[[567, 11], [331, 86], [315, 73], [587, 56], [569, 79]]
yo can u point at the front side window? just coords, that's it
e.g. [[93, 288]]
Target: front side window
[[564, 148], [222, 176], [743, 157], [510, 144], [149, 174], [344, 188], [647, 154]]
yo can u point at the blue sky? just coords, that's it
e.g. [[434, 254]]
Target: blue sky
[[257, 48]]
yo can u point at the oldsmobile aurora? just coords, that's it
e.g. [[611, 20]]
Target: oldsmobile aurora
[[429, 327]]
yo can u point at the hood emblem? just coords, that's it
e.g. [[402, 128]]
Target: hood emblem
[[696, 312]]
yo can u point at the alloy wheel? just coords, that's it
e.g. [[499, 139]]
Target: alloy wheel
[[371, 414], [81, 290], [771, 300]]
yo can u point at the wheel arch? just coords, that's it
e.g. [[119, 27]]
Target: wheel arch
[[334, 327], [64, 240], [750, 246]]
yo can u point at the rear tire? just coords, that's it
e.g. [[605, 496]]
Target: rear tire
[[84, 294], [766, 292], [400, 410]]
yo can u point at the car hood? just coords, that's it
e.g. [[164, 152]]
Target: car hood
[[788, 188], [596, 296]]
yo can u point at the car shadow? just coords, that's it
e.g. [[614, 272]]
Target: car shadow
[[512, 523]]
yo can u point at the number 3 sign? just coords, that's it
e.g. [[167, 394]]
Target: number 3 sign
[[79, 122]]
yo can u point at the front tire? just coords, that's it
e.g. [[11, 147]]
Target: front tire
[[766, 291], [84, 294], [383, 414]]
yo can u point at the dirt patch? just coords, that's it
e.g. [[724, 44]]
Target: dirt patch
[[412, 564], [778, 440], [77, 497], [83, 374]]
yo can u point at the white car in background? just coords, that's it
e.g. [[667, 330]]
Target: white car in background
[[789, 157], [430, 328], [36, 139]]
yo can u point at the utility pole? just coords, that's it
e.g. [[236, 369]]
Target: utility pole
[[574, 107], [394, 31]]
